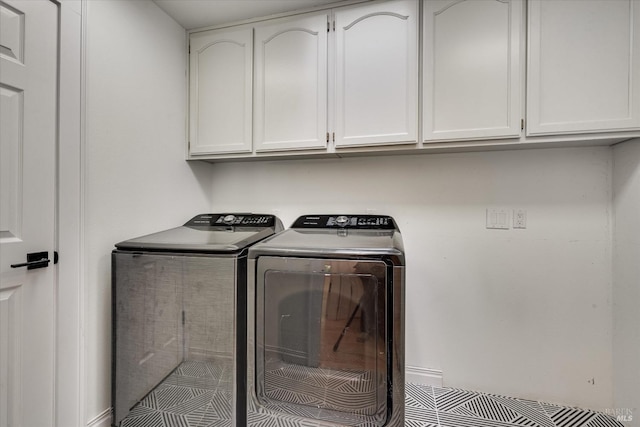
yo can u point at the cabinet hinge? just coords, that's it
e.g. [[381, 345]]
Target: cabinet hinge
[[328, 26], [334, 26], [333, 137], [327, 136], [521, 124]]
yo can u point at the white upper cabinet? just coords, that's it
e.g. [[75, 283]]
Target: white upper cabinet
[[345, 80], [472, 70], [584, 66], [220, 107], [291, 84], [376, 87]]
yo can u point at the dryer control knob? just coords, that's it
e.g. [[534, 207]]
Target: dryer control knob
[[342, 221], [229, 219]]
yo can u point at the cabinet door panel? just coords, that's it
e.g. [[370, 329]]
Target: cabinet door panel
[[291, 84], [584, 66], [221, 92], [376, 74], [472, 69]]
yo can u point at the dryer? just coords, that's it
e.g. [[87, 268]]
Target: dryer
[[179, 311], [326, 323]]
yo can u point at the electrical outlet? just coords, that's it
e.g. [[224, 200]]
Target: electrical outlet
[[519, 218]]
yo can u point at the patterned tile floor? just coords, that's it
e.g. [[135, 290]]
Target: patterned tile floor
[[197, 394]]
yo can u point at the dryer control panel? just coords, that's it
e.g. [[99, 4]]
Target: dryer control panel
[[235, 219], [361, 222]]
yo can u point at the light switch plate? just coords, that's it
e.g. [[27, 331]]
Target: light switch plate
[[498, 219]]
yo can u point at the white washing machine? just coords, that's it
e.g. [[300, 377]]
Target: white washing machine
[[326, 324]]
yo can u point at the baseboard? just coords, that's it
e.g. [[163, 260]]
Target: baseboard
[[101, 420], [425, 376]]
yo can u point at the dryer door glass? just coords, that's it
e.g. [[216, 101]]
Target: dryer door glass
[[321, 335]]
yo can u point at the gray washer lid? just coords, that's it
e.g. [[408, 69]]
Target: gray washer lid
[[205, 238]]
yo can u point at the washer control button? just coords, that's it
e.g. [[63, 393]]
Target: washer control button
[[342, 221], [229, 219]]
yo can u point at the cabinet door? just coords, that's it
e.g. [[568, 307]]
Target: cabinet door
[[472, 69], [220, 89], [291, 84], [584, 66], [376, 91]]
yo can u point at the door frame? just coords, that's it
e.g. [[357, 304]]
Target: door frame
[[69, 400]]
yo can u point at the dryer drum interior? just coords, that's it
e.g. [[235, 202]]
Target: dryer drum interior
[[324, 330]]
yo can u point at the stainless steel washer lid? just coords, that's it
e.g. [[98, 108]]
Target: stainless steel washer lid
[[208, 233], [336, 236]]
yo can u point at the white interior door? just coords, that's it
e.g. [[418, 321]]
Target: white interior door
[[28, 103]]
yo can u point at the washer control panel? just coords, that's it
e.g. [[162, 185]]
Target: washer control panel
[[235, 219], [362, 222]]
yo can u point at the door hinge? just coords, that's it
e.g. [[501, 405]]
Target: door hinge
[[328, 26], [521, 124], [334, 26], [327, 136], [333, 136]]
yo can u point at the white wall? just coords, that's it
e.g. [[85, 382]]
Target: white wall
[[626, 275], [136, 180], [525, 313]]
